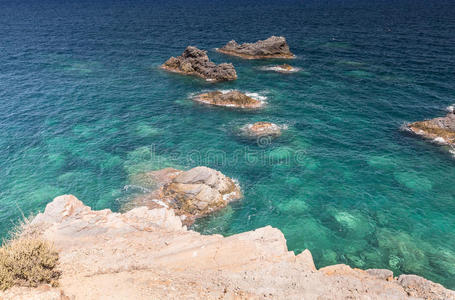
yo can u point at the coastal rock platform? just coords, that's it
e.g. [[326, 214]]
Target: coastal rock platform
[[149, 254]]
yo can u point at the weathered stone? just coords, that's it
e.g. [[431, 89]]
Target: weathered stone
[[383, 274], [440, 130], [305, 259], [417, 286], [228, 99], [262, 129], [273, 47], [196, 62], [191, 194], [148, 254]]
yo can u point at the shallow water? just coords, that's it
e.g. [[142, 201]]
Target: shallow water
[[84, 106]]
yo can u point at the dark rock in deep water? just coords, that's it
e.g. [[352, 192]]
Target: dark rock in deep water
[[273, 47], [194, 61]]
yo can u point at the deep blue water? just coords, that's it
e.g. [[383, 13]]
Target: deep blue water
[[83, 107]]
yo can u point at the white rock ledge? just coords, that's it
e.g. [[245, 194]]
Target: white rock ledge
[[148, 254]]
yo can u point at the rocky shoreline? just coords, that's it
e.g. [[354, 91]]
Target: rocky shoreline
[[273, 47], [148, 254]]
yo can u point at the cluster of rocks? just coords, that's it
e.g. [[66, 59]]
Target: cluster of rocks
[[196, 62], [440, 130], [191, 194]]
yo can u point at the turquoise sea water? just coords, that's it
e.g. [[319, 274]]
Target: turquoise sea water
[[83, 106]]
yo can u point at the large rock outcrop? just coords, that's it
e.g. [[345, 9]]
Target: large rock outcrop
[[148, 254], [273, 47], [194, 61], [191, 194], [229, 99], [440, 130]]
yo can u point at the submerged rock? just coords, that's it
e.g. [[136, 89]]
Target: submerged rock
[[191, 194], [441, 130], [262, 129], [229, 99], [273, 47], [194, 61]]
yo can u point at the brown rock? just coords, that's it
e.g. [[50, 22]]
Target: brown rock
[[286, 67], [196, 62], [262, 129], [273, 47], [441, 130], [229, 99]]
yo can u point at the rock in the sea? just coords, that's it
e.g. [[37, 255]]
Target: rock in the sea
[[273, 47], [194, 61], [262, 129], [441, 130], [229, 99], [191, 194]]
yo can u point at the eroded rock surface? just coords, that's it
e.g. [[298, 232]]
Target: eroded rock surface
[[148, 254], [440, 130], [191, 194], [229, 99], [194, 61], [273, 47], [259, 129]]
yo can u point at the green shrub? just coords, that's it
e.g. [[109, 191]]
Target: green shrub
[[28, 261]]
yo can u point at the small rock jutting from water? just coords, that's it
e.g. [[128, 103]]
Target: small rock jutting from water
[[194, 61], [284, 68], [229, 99], [440, 130], [273, 47], [259, 129]]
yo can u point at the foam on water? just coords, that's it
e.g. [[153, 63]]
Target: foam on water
[[280, 69]]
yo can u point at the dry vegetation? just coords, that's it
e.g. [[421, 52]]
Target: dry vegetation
[[27, 260]]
